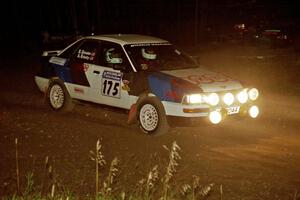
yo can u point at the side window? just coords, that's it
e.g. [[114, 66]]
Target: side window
[[87, 52], [111, 54], [70, 51]]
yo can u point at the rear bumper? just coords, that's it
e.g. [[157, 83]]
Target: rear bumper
[[42, 83], [178, 110]]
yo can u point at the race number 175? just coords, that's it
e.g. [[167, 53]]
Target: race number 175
[[111, 88]]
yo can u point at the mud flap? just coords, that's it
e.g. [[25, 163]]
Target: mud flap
[[132, 114], [46, 94]]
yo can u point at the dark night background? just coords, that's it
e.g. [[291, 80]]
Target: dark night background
[[179, 21]]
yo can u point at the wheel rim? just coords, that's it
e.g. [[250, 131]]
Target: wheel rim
[[56, 96], [149, 117]]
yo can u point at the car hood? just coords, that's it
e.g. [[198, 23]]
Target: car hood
[[207, 80]]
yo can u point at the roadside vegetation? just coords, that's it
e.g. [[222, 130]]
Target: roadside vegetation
[[154, 185]]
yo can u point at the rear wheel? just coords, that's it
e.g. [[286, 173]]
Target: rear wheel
[[152, 117], [58, 96]]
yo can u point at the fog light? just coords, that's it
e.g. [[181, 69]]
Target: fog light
[[213, 99], [253, 94], [228, 98], [253, 111], [242, 96], [215, 117]]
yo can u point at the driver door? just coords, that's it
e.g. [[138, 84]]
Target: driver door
[[107, 85]]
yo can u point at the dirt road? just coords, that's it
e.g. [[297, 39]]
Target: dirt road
[[251, 159]]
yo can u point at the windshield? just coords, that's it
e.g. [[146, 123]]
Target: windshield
[[158, 57]]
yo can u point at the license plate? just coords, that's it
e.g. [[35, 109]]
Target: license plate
[[233, 110]]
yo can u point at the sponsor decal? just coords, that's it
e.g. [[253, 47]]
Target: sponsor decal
[[125, 85], [126, 88], [126, 82], [207, 78], [79, 90], [111, 82], [150, 44], [85, 67], [112, 75], [58, 61]]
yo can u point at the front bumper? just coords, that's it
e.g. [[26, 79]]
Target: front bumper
[[215, 114]]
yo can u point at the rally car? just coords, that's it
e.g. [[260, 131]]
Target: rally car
[[146, 75]]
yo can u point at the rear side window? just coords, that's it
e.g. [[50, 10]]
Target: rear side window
[[87, 52], [70, 51]]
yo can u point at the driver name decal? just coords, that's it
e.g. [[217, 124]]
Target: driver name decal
[[86, 55]]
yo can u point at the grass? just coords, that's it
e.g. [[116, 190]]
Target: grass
[[99, 162], [151, 187], [17, 166]]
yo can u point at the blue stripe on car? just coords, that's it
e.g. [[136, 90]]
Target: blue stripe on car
[[170, 88], [160, 84], [63, 72]]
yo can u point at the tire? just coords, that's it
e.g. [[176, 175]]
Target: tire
[[152, 117], [58, 97]]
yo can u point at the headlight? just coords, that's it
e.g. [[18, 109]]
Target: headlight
[[212, 99], [253, 94], [242, 96], [228, 98], [193, 99]]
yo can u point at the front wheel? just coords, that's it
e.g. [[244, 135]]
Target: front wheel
[[152, 117]]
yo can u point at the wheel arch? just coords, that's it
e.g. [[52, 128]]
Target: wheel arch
[[148, 94], [132, 115]]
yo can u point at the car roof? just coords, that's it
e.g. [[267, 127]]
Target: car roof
[[128, 38]]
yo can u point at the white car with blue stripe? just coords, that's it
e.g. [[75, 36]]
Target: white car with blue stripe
[[145, 75]]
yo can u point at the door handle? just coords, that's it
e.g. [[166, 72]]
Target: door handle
[[96, 72]]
